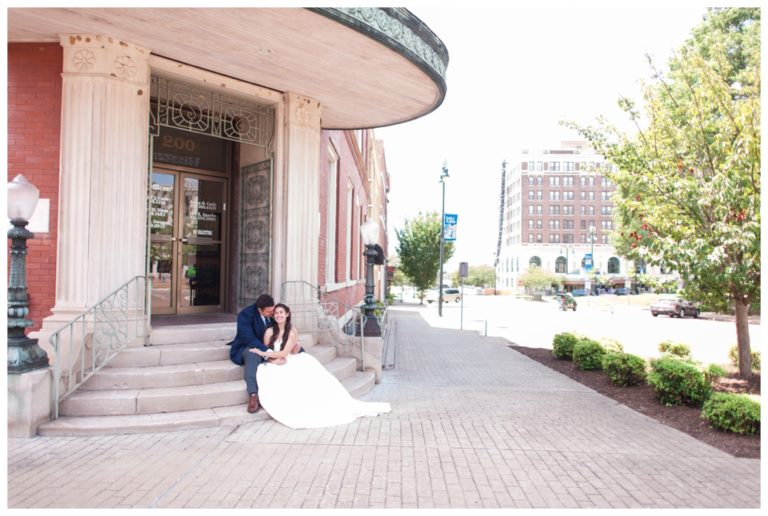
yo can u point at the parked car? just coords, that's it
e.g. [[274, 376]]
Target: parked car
[[674, 307], [449, 294], [621, 291], [579, 292]]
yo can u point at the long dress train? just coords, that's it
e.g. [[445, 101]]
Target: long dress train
[[302, 394]]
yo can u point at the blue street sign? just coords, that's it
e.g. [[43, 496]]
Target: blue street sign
[[588, 261], [450, 221]]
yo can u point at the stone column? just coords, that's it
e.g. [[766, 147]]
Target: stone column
[[103, 176], [300, 200]]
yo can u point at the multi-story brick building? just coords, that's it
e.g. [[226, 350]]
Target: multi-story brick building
[[557, 211]]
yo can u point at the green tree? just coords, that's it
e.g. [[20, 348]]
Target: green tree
[[688, 180], [419, 250], [479, 276], [535, 280]]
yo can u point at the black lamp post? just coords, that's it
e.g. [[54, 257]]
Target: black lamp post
[[370, 233], [443, 177], [23, 353]]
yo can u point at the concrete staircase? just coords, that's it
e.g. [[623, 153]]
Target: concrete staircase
[[184, 380]]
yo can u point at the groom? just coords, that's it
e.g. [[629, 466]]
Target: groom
[[252, 322]]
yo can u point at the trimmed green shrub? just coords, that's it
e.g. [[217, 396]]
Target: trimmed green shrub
[[562, 345], [676, 382], [733, 354], [611, 345], [624, 369], [733, 413], [588, 354], [677, 349], [713, 373]]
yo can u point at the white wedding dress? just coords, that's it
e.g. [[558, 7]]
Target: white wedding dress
[[302, 394]]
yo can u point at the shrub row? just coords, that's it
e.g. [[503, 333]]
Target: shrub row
[[675, 378]]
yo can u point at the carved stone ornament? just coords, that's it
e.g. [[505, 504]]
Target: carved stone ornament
[[125, 67], [83, 60]]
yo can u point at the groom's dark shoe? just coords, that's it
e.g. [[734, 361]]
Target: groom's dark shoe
[[253, 403]]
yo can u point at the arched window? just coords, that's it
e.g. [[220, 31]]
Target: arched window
[[535, 261], [561, 265], [614, 267]]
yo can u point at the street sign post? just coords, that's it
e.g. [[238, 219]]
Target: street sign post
[[463, 273]]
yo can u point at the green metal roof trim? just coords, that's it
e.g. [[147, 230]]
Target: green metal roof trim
[[401, 31]]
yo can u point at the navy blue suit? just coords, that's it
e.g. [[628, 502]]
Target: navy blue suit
[[250, 334]]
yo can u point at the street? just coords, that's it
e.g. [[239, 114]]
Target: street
[[534, 324]]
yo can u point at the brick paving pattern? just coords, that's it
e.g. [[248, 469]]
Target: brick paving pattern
[[474, 425]]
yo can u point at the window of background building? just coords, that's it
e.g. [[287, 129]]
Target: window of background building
[[561, 265], [591, 210], [524, 165], [591, 196], [531, 180], [331, 221], [530, 165], [583, 223], [583, 209], [539, 195], [606, 210], [614, 266], [606, 196], [554, 195], [530, 238], [531, 195], [583, 195], [568, 196], [583, 238], [567, 238], [554, 166], [607, 224], [605, 239], [539, 238], [539, 209], [583, 180], [530, 210], [567, 224], [539, 180], [530, 223], [554, 224], [535, 261], [554, 180], [568, 210], [538, 166], [554, 238], [591, 180]]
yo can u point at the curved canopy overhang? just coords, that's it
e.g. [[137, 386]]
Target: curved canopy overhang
[[368, 67]]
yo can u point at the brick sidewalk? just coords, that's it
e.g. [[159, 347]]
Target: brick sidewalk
[[473, 424]]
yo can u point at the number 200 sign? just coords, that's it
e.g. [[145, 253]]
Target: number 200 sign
[[450, 221]]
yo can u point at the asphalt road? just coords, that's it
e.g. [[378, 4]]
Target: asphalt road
[[534, 324]]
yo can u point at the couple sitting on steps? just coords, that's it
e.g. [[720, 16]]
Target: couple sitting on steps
[[292, 386]]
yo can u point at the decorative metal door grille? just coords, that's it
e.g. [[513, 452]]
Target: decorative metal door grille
[[185, 106]]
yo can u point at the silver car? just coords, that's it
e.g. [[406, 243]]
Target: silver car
[[674, 307]]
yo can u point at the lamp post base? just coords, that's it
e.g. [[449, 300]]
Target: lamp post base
[[25, 355]]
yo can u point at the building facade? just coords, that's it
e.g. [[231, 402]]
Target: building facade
[[221, 164], [557, 214]]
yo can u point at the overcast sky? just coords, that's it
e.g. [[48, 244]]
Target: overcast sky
[[514, 73]]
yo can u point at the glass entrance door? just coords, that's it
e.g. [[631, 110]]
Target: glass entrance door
[[187, 228]]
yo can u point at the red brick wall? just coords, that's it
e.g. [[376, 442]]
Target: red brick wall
[[349, 171], [34, 121]]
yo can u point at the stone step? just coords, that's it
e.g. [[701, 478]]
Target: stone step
[[190, 333], [195, 373], [155, 400], [184, 353], [357, 384], [177, 375]]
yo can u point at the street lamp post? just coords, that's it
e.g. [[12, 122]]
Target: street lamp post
[[370, 233], [24, 354], [443, 177]]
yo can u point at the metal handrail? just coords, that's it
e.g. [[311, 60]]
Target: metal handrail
[[386, 337], [332, 309], [108, 326]]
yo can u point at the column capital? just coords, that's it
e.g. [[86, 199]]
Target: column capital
[[303, 111], [95, 54]]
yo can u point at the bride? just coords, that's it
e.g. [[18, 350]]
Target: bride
[[296, 390]]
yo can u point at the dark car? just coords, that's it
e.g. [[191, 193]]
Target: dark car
[[674, 307]]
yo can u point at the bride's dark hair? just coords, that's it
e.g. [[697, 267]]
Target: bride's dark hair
[[276, 330]]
